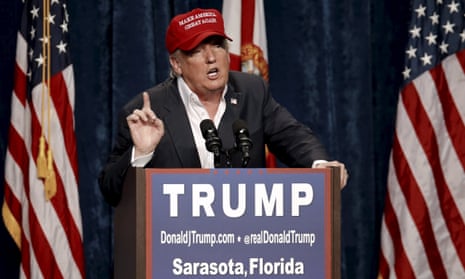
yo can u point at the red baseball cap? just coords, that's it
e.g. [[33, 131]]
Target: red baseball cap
[[187, 31]]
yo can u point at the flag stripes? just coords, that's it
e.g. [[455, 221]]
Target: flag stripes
[[47, 229], [418, 209], [436, 143], [423, 224], [402, 265], [452, 69], [248, 21], [65, 216]]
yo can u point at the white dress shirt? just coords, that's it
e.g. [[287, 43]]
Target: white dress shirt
[[196, 112]]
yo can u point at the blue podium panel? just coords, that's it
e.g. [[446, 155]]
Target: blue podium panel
[[231, 223]]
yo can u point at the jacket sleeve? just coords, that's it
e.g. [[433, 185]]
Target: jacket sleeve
[[292, 142], [112, 175]]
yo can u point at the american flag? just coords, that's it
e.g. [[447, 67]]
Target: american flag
[[244, 22], [41, 203], [423, 226]]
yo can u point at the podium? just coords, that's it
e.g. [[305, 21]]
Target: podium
[[228, 223]]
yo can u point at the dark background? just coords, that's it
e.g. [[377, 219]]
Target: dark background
[[336, 65]]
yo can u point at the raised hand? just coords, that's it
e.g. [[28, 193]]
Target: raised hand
[[145, 127]]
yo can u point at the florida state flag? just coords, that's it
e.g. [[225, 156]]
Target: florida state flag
[[245, 22]]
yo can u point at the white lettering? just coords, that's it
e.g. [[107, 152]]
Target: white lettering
[[207, 268], [205, 200], [240, 209], [197, 19], [275, 201], [298, 200], [282, 267], [272, 204], [173, 190]]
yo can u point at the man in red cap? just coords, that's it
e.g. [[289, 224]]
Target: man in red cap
[[205, 116]]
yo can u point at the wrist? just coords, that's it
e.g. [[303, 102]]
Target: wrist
[[142, 152]]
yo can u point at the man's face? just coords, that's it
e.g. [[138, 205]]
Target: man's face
[[205, 68]]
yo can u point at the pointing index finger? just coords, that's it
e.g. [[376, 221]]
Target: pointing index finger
[[146, 98], [147, 109]]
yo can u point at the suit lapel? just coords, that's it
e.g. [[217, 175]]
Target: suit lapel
[[178, 127], [234, 103]]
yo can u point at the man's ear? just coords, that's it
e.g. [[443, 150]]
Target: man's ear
[[175, 65]]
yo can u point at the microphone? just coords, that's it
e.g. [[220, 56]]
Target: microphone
[[243, 142], [212, 140]]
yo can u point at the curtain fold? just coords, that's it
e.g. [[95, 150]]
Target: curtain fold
[[325, 82]]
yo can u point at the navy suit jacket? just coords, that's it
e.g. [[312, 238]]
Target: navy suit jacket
[[247, 98]]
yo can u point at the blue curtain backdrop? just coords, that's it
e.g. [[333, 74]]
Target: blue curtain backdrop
[[334, 64]]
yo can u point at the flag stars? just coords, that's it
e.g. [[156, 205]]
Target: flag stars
[[453, 7], [434, 19], [431, 38], [45, 39], [462, 36], [51, 19], [411, 52], [406, 72], [32, 32], [55, 2], [443, 46], [421, 11], [66, 13], [448, 27], [426, 59], [433, 34], [415, 31], [40, 60], [64, 27], [61, 47], [35, 12]]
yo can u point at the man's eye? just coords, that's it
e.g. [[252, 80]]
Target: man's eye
[[193, 52]]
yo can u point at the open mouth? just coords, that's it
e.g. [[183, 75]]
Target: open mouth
[[213, 72]]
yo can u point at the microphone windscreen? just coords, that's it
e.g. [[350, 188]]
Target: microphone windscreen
[[239, 125], [207, 126]]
